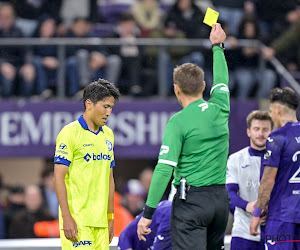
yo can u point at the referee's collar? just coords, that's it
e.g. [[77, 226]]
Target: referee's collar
[[85, 126]]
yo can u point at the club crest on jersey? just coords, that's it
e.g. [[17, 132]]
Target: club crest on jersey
[[267, 155], [109, 145]]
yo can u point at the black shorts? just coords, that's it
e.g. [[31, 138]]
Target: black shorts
[[199, 222]]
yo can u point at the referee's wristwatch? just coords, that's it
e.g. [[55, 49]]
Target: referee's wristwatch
[[221, 45]]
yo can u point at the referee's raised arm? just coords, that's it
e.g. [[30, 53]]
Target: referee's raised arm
[[219, 90]]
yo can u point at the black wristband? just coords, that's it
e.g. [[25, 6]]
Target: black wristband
[[148, 212], [221, 45]]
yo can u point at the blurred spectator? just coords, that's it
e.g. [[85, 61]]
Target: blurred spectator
[[30, 11], [46, 61], [188, 18], [232, 11], [147, 14], [50, 201], [175, 55], [14, 204], [77, 8], [2, 224], [86, 64], [247, 73], [284, 42], [122, 216], [145, 178], [130, 54], [275, 16], [12, 58], [133, 194], [23, 222]]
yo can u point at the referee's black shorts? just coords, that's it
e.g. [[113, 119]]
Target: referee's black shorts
[[199, 222]]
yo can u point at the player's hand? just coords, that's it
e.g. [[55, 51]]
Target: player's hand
[[263, 217], [250, 207], [143, 228], [254, 225], [111, 229], [217, 34], [70, 228]]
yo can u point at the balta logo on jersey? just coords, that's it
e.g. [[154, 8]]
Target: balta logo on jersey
[[95, 157], [82, 243]]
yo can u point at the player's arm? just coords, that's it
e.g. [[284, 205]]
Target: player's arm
[[69, 225], [264, 193], [168, 159], [110, 208], [219, 91], [232, 180], [235, 199]]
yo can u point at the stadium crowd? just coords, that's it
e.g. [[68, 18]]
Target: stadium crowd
[[32, 72], [32, 211]]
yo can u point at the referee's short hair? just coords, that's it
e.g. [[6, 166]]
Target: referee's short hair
[[285, 96], [100, 90], [189, 77], [259, 115]]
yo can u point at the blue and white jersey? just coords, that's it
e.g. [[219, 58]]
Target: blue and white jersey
[[243, 168]]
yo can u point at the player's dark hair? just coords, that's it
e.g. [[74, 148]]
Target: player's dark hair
[[189, 77], [259, 115], [285, 96], [100, 90]]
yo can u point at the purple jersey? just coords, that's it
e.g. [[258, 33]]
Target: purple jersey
[[283, 152], [160, 236]]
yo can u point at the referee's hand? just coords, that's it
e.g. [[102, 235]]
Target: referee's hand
[[217, 34], [143, 228]]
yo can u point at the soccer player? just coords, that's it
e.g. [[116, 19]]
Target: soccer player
[[280, 184], [160, 236], [83, 173], [243, 176], [195, 146]]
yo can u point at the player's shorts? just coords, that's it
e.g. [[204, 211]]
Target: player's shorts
[[282, 235], [238, 243], [88, 238]]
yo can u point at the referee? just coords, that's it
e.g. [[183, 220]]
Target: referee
[[195, 146]]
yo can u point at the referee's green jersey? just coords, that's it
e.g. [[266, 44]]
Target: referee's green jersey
[[196, 139], [89, 156]]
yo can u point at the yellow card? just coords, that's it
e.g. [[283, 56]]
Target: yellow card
[[211, 17]]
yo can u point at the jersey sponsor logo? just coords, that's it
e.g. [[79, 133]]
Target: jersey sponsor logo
[[88, 145], [296, 192], [109, 145], [267, 155], [82, 243], [62, 152], [297, 139], [270, 139], [246, 166], [203, 106], [87, 157], [95, 157], [62, 146], [164, 149]]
